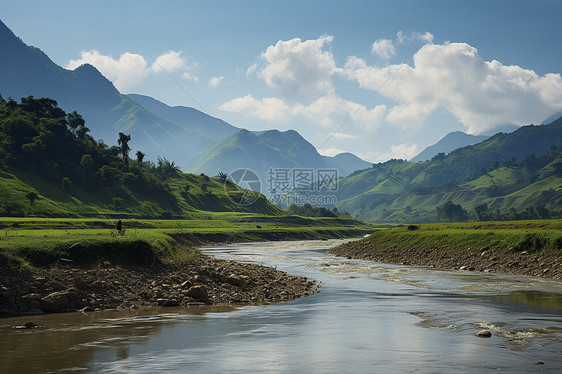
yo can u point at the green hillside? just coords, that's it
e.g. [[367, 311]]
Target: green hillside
[[50, 166], [508, 176]]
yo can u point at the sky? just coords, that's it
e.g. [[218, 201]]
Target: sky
[[380, 79]]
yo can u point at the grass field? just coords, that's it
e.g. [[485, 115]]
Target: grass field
[[27, 242], [531, 236]]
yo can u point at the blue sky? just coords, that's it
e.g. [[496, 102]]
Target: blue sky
[[382, 79]]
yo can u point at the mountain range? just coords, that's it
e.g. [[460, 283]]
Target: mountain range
[[177, 133], [448, 143], [515, 175]]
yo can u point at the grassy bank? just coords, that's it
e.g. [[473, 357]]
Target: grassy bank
[[29, 242], [514, 247], [530, 236]]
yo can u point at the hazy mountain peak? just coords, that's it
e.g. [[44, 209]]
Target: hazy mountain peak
[[447, 144]]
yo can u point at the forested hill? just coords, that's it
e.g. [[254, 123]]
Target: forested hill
[[51, 166], [508, 176]]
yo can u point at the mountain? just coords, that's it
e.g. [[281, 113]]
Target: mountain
[[448, 143], [191, 118], [346, 163], [265, 150], [176, 133], [50, 167], [552, 118], [516, 175]]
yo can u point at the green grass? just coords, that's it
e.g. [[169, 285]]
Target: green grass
[[531, 236], [27, 242]]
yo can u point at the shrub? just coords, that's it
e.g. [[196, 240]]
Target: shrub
[[531, 243]]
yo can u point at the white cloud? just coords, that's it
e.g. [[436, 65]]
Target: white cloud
[[299, 69], [481, 94], [341, 135], [330, 108], [425, 37], [251, 69], [131, 68], [330, 152], [400, 151], [215, 81], [270, 109], [124, 72], [383, 48], [190, 75], [170, 61]]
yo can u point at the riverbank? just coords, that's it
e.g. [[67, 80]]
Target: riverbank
[[204, 281], [530, 248]]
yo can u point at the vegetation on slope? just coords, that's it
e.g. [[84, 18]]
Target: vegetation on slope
[[508, 176]]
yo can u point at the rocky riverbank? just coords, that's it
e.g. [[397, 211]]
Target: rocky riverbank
[[209, 281], [541, 264]]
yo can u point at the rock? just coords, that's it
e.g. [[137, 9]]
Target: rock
[[167, 302], [186, 284], [55, 302], [484, 334], [463, 268], [538, 363], [27, 325], [87, 309], [235, 280], [198, 293]]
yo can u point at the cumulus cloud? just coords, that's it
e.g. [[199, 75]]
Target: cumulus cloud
[[299, 69], [383, 48], [170, 61], [330, 152], [131, 68], [328, 111], [425, 37], [215, 81], [400, 151], [341, 135], [270, 108], [124, 72], [251, 69], [481, 94]]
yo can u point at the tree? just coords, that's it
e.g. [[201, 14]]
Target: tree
[[222, 177], [451, 212], [31, 196], [75, 121], [86, 162], [482, 211], [123, 142], [140, 157], [66, 182]]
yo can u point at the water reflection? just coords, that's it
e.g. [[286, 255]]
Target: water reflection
[[367, 318]]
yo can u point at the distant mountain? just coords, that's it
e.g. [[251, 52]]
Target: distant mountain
[[265, 150], [448, 143], [517, 175], [552, 118], [506, 129], [187, 117], [176, 133], [346, 163]]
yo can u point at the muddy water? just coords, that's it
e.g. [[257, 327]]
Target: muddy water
[[368, 318]]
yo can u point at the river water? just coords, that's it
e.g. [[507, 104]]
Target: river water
[[367, 318]]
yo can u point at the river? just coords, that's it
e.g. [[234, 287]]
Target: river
[[367, 318]]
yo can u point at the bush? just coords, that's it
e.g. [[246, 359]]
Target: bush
[[531, 243], [413, 227]]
